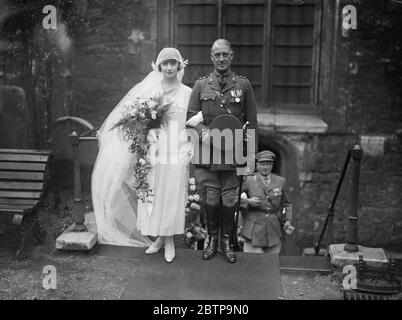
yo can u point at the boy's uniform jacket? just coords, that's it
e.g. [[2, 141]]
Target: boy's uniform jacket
[[262, 225]]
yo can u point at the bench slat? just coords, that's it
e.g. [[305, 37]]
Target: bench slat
[[20, 195], [30, 202], [15, 175], [25, 151], [14, 208], [8, 185], [23, 157], [22, 166]]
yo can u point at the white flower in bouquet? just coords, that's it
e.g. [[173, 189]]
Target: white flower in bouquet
[[142, 161], [151, 104], [187, 210], [190, 198], [189, 235], [192, 180], [192, 187], [153, 114], [196, 197]]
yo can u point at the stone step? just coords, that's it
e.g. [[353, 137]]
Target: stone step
[[375, 257], [71, 240]]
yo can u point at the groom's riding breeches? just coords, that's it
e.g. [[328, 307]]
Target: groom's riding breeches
[[214, 197], [219, 186]]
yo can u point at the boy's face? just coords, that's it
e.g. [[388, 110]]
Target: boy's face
[[264, 167]]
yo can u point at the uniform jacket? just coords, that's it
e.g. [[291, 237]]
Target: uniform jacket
[[236, 98], [262, 225]]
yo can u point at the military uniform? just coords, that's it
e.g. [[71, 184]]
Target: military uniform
[[215, 95], [262, 225]]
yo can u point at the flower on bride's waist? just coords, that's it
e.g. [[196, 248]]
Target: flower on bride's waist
[[195, 206]]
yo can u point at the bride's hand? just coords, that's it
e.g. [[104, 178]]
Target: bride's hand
[[152, 136], [195, 120]]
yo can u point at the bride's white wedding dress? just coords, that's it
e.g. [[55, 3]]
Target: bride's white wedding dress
[[165, 216], [122, 219]]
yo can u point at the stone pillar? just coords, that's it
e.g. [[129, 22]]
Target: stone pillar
[[78, 215]]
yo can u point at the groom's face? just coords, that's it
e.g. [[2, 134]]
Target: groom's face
[[221, 57]]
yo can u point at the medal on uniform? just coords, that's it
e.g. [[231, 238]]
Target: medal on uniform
[[236, 94]]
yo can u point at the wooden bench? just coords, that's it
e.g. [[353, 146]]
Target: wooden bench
[[23, 178]]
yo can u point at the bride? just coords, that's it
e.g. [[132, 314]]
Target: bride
[[121, 218]]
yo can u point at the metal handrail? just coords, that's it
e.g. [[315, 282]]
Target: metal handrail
[[331, 208]]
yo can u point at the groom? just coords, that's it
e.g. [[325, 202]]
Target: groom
[[221, 92]]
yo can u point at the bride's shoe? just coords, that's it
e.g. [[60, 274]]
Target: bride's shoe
[[155, 247], [169, 249]]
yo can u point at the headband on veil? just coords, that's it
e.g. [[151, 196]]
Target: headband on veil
[[169, 54]]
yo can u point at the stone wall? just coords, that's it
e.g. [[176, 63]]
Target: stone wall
[[368, 111]]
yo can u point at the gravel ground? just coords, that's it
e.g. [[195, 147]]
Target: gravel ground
[[83, 275], [311, 286]]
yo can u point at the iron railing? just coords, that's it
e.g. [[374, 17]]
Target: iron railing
[[356, 154]]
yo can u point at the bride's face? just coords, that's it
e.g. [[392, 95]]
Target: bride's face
[[170, 68]]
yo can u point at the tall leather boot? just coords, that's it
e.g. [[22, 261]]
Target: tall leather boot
[[213, 227], [228, 214]]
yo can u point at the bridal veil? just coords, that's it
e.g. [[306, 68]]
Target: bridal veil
[[113, 195]]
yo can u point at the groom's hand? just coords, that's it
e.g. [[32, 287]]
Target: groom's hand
[[195, 120]]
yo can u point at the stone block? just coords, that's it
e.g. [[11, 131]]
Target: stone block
[[70, 240], [373, 145], [375, 257]]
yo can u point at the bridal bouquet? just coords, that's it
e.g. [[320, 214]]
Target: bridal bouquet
[[194, 231], [140, 116]]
